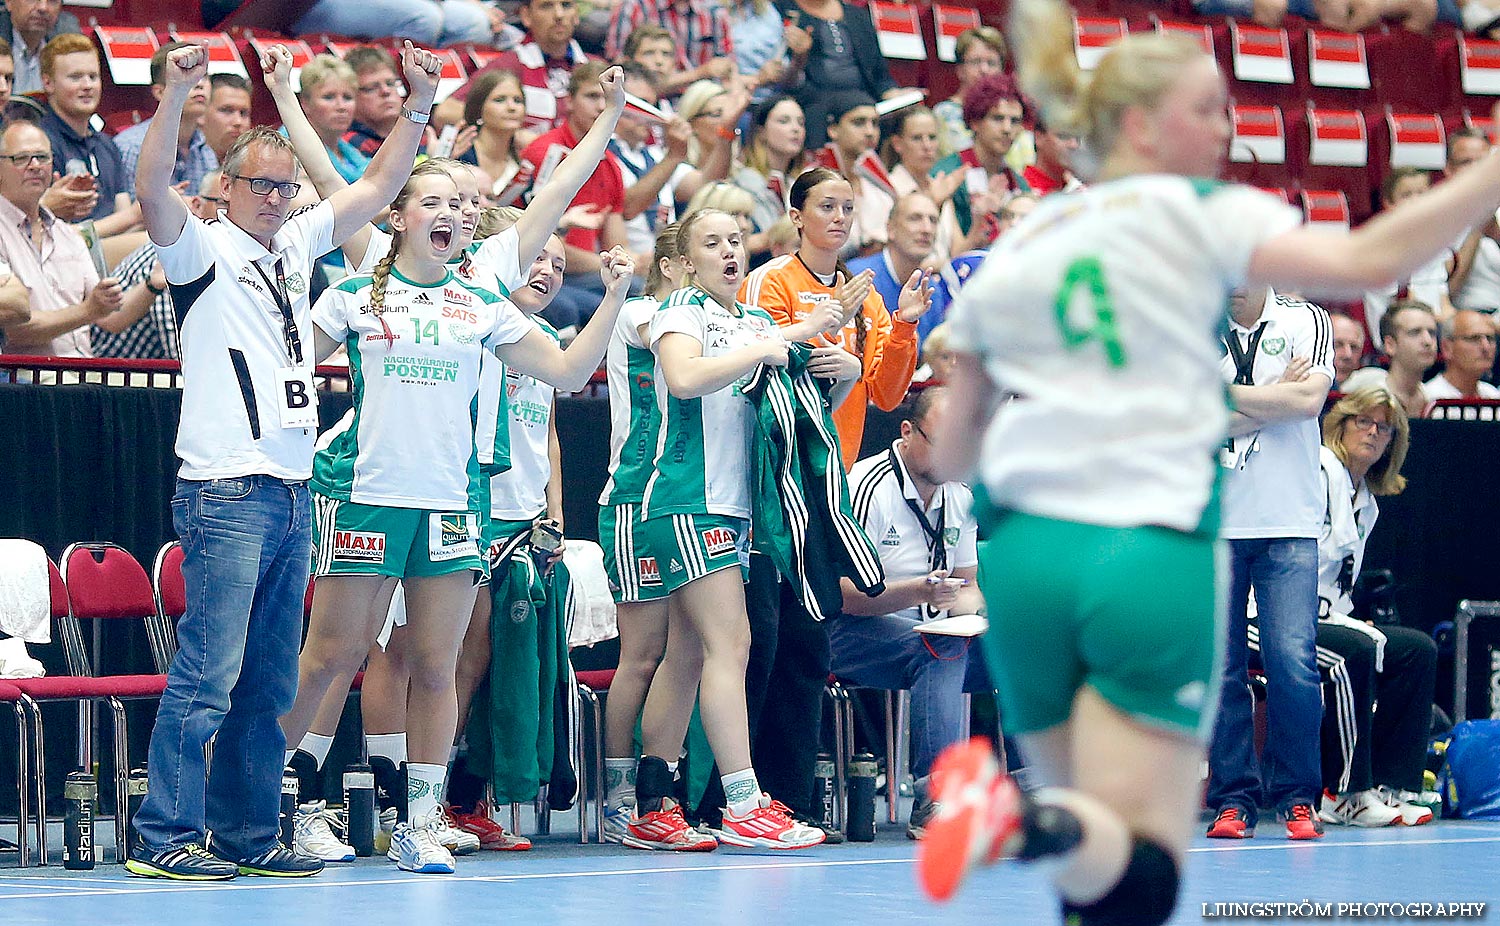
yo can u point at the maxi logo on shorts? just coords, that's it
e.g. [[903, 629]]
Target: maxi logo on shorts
[[718, 541], [358, 547], [650, 573], [451, 536]]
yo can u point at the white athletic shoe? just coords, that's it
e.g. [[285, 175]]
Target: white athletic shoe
[[616, 823], [312, 834], [417, 847], [455, 840], [1361, 808], [1411, 813]]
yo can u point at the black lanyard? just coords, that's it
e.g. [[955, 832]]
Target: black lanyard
[[284, 304], [937, 550], [1244, 358]]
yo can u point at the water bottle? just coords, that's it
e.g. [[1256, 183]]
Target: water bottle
[[135, 795], [288, 808], [824, 793], [80, 791], [359, 805], [860, 826]]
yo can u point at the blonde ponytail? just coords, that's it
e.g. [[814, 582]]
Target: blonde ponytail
[[381, 274], [1041, 35]]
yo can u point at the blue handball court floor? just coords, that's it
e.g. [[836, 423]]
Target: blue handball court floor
[[561, 882]]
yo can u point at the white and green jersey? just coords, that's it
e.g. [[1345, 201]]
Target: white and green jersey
[[519, 493], [633, 415], [415, 373], [702, 463], [1102, 310]]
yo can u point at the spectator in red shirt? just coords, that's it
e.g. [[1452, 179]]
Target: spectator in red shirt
[[604, 192], [1053, 170], [545, 63]]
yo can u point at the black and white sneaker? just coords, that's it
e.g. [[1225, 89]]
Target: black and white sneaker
[[180, 863], [279, 862]]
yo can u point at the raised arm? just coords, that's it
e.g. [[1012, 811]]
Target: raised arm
[[356, 204], [569, 370], [540, 219], [163, 208], [325, 178]]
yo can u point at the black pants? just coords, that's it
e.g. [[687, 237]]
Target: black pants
[[784, 681], [1375, 724]]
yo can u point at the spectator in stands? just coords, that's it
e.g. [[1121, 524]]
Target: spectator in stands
[[1468, 340], [1278, 362], [1474, 282], [1408, 336], [48, 257], [763, 42], [7, 71], [70, 75], [545, 63], [1348, 347], [195, 159], [702, 42], [1413, 15], [853, 133], [713, 110], [431, 23], [228, 114], [327, 96], [913, 227], [1430, 284], [981, 52], [496, 104], [1372, 759], [924, 531], [1053, 170], [738, 204], [996, 115], [377, 103], [957, 272], [604, 191], [153, 334], [657, 177], [653, 49], [937, 357], [773, 158], [844, 55], [912, 151], [29, 25]]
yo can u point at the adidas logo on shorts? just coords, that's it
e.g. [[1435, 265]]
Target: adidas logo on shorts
[[674, 566]]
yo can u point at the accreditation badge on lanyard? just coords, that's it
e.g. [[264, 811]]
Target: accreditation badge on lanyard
[[296, 397]]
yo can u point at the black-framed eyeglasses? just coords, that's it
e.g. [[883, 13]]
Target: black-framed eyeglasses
[[1476, 338], [1365, 423], [918, 428], [26, 160], [262, 186]]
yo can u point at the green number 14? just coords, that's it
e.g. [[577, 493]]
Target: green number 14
[[1089, 273], [430, 332]]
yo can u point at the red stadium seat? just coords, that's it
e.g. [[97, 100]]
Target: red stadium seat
[[1261, 55], [1094, 35]]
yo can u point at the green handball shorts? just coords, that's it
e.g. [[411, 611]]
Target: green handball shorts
[[350, 539], [691, 546], [1134, 613]]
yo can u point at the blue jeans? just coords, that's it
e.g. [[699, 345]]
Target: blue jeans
[[247, 551], [1284, 574], [426, 22], [884, 652]]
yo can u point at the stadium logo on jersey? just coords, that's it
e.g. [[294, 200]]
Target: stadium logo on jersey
[[453, 295], [718, 541], [1274, 346], [296, 284], [892, 537], [358, 547], [650, 573]]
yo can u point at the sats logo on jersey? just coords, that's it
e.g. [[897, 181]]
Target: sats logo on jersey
[[463, 315], [718, 541], [358, 547], [649, 572]]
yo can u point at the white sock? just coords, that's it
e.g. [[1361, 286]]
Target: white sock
[[316, 745], [389, 745], [741, 791], [672, 767], [620, 777], [424, 785]]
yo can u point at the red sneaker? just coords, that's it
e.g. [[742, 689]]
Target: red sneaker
[[1302, 822], [1230, 824], [491, 835], [666, 829], [979, 809], [770, 825]]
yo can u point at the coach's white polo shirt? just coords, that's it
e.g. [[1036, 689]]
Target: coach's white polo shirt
[[234, 342], [879, 487], [1275, 488]]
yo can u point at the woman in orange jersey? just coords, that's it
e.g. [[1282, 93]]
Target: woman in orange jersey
[[789, 651], [822, 208]]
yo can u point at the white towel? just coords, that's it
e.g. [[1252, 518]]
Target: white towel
[[15, 662], [25, 593], [591, 608]]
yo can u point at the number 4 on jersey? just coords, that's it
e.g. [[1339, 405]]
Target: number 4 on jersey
[[1088, 273]]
